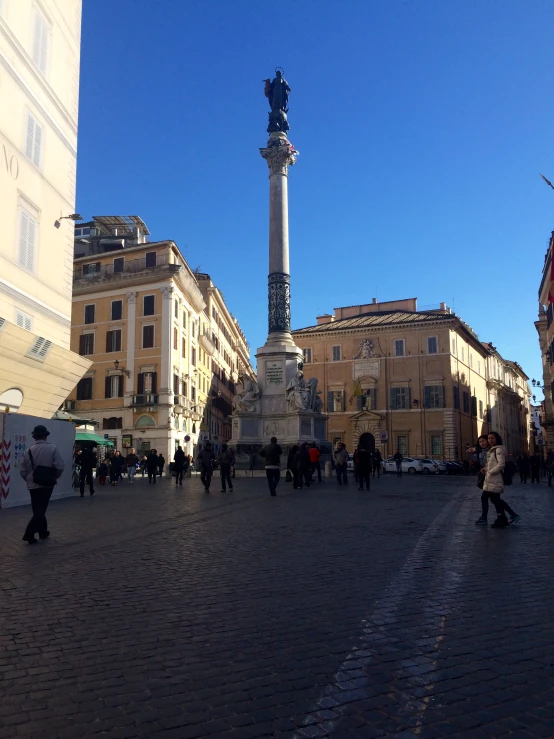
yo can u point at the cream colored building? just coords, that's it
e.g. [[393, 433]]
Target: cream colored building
[[141, 315], [39, 94], [395, 377], [545, 329]]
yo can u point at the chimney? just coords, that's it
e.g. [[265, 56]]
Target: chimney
[[374, 300], [443, 306]]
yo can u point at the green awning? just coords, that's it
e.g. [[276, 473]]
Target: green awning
[[89, 436]]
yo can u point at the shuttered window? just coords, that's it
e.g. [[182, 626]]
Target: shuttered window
[[307, 356], [336, 353], [183, 347], [33, 141], [23, 320], [27, 240], [114, 386], [113, 341], [335, 401], [86, 344], [146, 383], [41, 42], [84, 389], [40, 348], [175, 339], [432, 345], [399, 398], [147, 337], [434, 396]]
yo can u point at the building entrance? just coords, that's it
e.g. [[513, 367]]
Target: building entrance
[[367, 441]]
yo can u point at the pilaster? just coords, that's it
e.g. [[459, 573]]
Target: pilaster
[[166, 344], [131, 340]]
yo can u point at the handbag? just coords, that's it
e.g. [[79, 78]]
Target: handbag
[[288, 476], [481, 480], [44, 476]]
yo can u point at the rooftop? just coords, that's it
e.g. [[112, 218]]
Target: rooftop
[[381, 318]]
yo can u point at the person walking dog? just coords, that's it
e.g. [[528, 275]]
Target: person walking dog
[[41, 467]]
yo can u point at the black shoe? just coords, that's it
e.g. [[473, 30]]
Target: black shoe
[[30, 539], [206, 490], [82, 495], [223, 490], [500, 523], [44, 536], [92, 492], [273, 493]]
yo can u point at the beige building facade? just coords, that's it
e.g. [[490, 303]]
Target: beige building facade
[[545, 330], [140, 314], [39, 89], [394, 377]]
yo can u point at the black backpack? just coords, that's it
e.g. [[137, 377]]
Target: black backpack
[[508, 472]]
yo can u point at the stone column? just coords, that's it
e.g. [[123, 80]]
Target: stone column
[[131, 339], [279, 154]]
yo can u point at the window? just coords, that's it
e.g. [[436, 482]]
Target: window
[[176, 309], [479, 363], [33, 141], [146, 383], [114, 386], [193, 357], [90, 311], [184, 319], [91, 269], [481, 409], [193, 328], [474, 406], [432, 345], [470, 359], [84, 389], [453, 346], [113, 341], [434, 396], [150, 259], [183, 347], [466, 402], [118, 264], [40, 349], [147, 337], [307, 356], [148, 305], [335, 401], [27, 239], [193, 393], [112, 423], [176, 384], [41, 42], [399, 398], [456, 397], [86, 344], [23, 320], [402, 443], [436, 445], [175, 339], [117, 310], [367, 400], [335, 353], [399, 348], [463, 354], [184, 388]]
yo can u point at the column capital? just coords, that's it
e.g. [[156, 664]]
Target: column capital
[[167, 292], [279, 154], [132, 297]]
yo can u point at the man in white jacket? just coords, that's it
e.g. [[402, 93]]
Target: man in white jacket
[[42, 463]]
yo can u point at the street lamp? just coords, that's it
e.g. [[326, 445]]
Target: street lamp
[[125, 371], [72, 217]]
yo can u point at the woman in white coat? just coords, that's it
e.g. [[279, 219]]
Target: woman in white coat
[[494, 482]]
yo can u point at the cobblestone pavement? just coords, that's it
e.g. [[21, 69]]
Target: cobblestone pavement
[[156, 611]]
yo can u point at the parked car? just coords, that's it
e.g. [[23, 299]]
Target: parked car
[[409, 465], [430, 467], [454, 468]]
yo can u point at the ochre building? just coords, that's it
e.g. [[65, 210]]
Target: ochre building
[[394, 377]]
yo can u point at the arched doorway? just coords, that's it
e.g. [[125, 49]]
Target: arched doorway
[[367, 441]]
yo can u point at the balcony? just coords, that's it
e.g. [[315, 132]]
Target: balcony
[[96, 272], [147, 399], [207, 343]]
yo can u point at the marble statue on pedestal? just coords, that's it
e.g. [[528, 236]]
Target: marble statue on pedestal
[[247, 398], [303, 395]]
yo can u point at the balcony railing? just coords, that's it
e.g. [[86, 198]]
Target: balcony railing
[[98, 271], [147, 399]]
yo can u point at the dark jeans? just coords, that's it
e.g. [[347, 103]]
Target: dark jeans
[[161, 471], [152, 475], [499, 503], [226, 476], [377, 469], [363, 476], [179, 475], [40, 497], [316, 467], [273, 477], [534, 475], [85, 478], [523, 475], [206, 477], [399, 469], [303, 475], [341, 473]]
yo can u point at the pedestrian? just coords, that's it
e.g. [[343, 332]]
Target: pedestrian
[[143, 463], [355, 463], [535, 465], [161, 464], [364, 467], [102, 472], [41, 467], [341, 463], [206, 460], [292, 466], [315, 455], [398, 461], [376, 462], [88, 461], [494, 481], [152, 465], [549, 466], [116, 466], [303, 466], [226, 460], [272, 455], [481, 450], [179, 460], [131, 461]]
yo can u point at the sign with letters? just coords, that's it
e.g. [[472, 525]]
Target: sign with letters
[[366, 368], [274, 373]]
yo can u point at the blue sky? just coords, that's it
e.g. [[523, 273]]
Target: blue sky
[[422, 126]]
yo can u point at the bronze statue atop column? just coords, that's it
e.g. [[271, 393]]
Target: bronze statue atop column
[[277, 92]]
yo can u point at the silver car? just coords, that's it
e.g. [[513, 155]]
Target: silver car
[[409, 465]]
